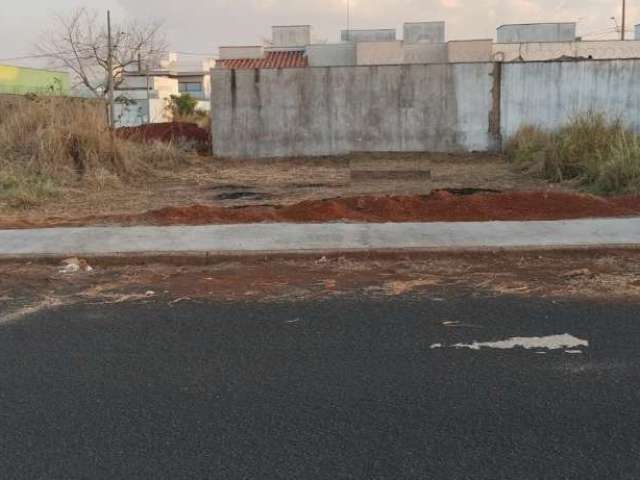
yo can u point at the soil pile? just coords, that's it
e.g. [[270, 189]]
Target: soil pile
[[169, 132], [439, 206]]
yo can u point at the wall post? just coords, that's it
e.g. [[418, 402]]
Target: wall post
[[495, 129]]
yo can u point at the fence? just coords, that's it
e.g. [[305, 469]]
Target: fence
[[406, 108]]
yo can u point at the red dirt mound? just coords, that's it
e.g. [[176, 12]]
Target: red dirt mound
[[168, 132], [439, 206]]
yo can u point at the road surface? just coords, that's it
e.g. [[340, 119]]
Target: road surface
[[456, 387]]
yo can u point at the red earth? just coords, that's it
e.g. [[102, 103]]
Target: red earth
[[169, 132], [438, 206]]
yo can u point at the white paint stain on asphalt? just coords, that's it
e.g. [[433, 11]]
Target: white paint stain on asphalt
[[566, 342]]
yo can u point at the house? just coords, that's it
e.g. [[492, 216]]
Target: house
[[287, 49], [295, 47], [144, 94], [556, 41], [423, 43], [16, 80]]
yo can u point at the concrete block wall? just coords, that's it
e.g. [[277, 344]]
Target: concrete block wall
[[407, 108], [331, 111], [547, 94]]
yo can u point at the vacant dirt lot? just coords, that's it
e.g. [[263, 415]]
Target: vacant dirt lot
[[212, 182]]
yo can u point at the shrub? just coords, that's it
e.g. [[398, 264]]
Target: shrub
[[600, 154], [528, 148], [182, 105], [619, 172]]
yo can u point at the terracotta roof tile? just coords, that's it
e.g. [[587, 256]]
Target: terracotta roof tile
[[290, 59]]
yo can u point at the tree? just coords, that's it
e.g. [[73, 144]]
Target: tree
[[182, 105], [78, 42]]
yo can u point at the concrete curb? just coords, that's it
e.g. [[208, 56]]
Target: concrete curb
[[277, 239]]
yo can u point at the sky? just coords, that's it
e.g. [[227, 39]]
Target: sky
[[201, 26]]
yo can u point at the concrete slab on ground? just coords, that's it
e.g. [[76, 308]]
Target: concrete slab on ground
[[291, 238]]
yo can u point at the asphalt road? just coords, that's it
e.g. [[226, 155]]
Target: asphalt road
[[335, 389]]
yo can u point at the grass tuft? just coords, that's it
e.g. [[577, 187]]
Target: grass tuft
[[600, 154]]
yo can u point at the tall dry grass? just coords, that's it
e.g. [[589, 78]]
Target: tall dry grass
[[49, 143], [600, 154]]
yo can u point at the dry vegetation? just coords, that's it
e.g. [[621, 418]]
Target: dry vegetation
[[607, 275], [601, 155], [50, 144]]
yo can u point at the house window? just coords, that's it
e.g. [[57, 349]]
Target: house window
[[190, 87]]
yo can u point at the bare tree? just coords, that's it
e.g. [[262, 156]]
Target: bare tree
[[78, 42]]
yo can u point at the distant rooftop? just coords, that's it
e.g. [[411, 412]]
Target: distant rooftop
[[271, 60], [537, 23]]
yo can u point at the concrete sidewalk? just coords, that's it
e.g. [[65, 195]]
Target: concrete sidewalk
[[286, 238]]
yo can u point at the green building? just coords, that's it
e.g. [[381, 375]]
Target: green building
[[23, 81]]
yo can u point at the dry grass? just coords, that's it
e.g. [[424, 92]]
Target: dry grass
[[47, 144], [600, 154]]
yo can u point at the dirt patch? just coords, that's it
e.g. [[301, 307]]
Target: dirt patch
[[591, 275], [439, 206], [199, 179], [242, 194]]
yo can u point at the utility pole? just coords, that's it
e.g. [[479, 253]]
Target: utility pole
[[348, 20], [148, 93], [146, 76], [110, 81], [624, 19]]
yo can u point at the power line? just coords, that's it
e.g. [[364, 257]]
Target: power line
[[600, 32], [87, 50], [43, 55]]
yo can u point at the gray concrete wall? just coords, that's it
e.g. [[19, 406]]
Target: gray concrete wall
[[329, 111], [332, 55], [637, 37], [547, 94], [424, 32], [439, 107], [537, 32]]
